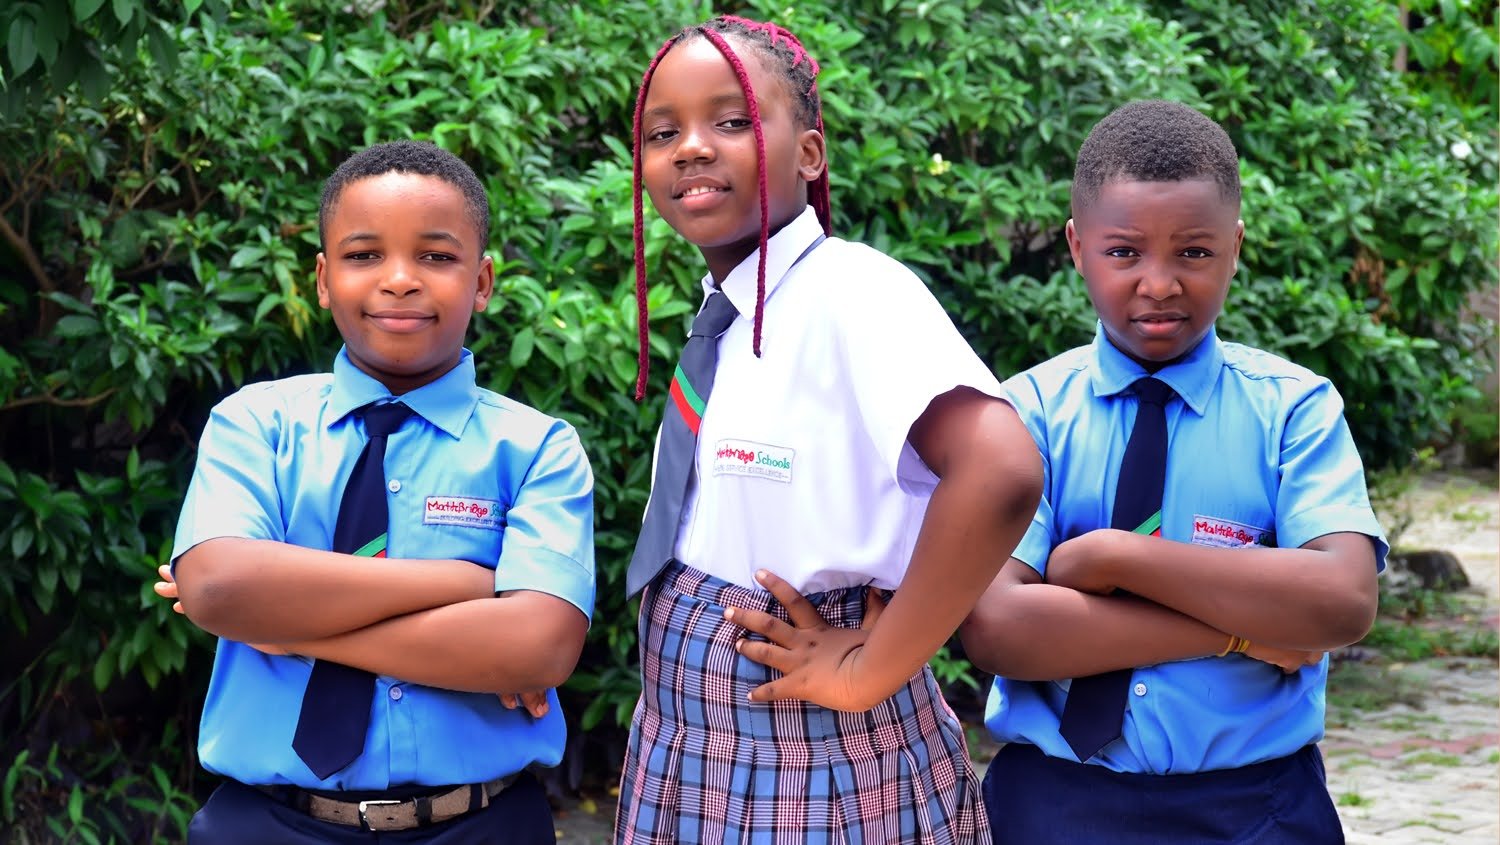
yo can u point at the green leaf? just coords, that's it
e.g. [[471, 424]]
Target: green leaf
[[521, 347], [51, 32], [85, 9], [20, 541], [124, 10], [76, 325], [95, 81], [22, 44], [103, 671]]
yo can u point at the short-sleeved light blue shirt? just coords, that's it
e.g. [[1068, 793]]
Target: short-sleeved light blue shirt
[[471, 476], [1258, 453]]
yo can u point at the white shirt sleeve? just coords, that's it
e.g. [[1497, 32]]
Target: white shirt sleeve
[[901, 351]]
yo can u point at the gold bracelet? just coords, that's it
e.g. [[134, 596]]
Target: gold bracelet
[[1230, 648], [1244, 646]]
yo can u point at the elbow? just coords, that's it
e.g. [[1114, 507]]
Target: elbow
[[1347, 622], [205, 588], [556, 671], [1348, 609], [551, 659]]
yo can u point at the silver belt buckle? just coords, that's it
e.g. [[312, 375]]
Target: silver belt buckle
[[364, 807]]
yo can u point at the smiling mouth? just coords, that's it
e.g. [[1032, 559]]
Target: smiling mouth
[[401, 323], [694, 192]]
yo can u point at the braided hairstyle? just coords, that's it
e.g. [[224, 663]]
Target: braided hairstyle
[[780, 51]]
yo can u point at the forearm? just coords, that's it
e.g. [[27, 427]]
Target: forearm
[[970, 529], [518, 642], [269, 592], [1042, 632], [1302, 598]]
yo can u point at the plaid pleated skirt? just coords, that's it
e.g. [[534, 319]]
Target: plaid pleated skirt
[[705, 765]]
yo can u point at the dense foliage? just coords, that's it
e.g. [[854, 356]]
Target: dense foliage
[[161, 163]]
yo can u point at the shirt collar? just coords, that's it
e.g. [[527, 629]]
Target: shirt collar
[[781, 251], [447, 402], [1193, 377]]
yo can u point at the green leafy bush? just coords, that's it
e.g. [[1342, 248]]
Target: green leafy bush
[[158, 195]]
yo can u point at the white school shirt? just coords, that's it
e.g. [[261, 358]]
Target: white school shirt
[[803, 466]]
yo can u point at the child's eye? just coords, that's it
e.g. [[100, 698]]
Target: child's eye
[[361, 256], [1196, 252], [735, 123], [439, 256], [660, 134], [1121, 252]]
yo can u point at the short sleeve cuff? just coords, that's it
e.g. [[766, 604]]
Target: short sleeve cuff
[[545, 571], [1333, 519], [1034, 549]]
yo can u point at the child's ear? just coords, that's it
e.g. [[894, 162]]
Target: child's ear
[[812, 155], [320, 269], [485, 283], [1239, 241], [1075, 247]]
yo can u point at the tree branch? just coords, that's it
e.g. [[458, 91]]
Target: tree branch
[[28, 256], [51, 399]]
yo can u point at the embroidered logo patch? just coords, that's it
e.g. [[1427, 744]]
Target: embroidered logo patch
[[756, 460], [1224, 533], [463, 510]]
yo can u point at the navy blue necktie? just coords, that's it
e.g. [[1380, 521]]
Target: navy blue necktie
[[336, 705], [1095, 708], [686, 399]]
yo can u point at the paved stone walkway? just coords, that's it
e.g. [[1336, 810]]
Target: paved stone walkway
[[1423, 768]]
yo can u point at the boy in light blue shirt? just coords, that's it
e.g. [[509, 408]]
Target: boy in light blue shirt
[[480, 590], [1209, 620]]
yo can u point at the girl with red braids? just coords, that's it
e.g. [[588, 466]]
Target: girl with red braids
[[852, 444]]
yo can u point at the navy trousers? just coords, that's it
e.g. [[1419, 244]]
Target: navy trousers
[[1033, 799], [237, 814]]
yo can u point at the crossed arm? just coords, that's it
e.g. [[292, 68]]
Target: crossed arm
[[1183, 601], [433, 622]]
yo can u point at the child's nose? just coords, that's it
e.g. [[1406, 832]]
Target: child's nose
[[402, 279], [1157, 282], [694, 145]]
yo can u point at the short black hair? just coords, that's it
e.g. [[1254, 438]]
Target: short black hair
[[418, 157], [1155, 141]]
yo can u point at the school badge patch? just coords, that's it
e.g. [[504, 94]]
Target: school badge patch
[[1228, 534], [754, 460], [463, 510]]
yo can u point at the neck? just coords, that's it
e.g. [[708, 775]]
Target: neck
[[722, 260]]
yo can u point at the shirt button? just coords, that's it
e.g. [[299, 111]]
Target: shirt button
[[396, 693], [1140, 689], [394, 486]]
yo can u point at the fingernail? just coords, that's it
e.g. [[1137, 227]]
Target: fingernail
[[761, 575]]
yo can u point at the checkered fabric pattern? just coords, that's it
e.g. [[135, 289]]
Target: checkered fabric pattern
[[704, 765]]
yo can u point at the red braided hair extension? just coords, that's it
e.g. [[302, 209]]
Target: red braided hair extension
[[760, 175], [643, 328]]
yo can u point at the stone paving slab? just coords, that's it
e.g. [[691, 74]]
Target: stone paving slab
[[1427, 768]]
